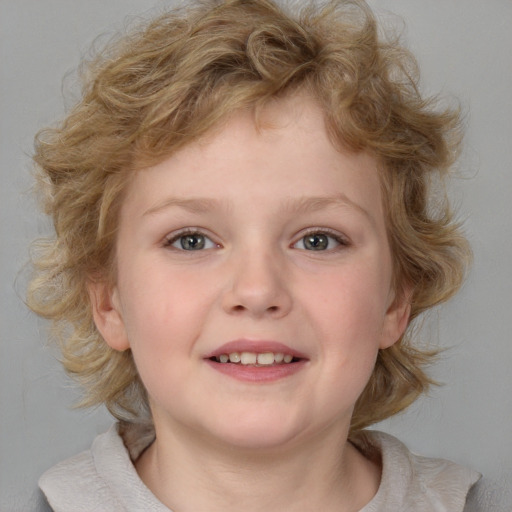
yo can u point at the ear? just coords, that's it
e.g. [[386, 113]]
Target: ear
[[107, 314], [397, 319]]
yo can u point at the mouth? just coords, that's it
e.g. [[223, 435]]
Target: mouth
[[262, 359], [256, 361]]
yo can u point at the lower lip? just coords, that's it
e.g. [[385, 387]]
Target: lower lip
[[248, 373]]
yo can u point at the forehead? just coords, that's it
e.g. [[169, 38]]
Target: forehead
[[282, 152]]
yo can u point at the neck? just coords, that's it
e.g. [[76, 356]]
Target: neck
[[188, 472]]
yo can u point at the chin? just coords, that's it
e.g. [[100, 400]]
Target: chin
[[258, 431]]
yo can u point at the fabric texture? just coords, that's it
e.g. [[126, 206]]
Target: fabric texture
[[104, 479]]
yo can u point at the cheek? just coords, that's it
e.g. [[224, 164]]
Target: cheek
[[158, 297], [160, 334], [165, 311], [347, 313], [350, 304], [348, 320]]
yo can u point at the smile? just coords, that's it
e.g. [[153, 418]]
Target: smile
[[255, 359]]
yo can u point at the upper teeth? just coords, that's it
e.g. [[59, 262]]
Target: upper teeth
[[265, 358]]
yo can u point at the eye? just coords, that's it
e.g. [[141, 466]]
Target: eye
[[319, 241], [190, 241]]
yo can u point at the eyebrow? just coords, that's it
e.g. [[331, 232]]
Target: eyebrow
[[301, 205], [316, 203], [194, 205]]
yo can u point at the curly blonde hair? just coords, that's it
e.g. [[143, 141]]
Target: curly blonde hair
[[172, 80]]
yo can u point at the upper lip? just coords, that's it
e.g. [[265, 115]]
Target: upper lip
[[257, 346]]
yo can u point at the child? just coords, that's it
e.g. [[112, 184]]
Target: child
[[245, 233]]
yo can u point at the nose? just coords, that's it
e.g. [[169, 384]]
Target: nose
[[258, 286]]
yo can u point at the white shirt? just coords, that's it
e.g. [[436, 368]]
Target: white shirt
[[104, 479]]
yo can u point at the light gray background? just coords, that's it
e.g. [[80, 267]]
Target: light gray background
[[465, 50]]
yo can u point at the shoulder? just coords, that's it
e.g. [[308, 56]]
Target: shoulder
[[103, 478], [75, 483], [413, 482]]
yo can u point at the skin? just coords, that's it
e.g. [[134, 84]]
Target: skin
[[255, 194]]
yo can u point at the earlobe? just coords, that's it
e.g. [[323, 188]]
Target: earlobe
[[107, 314], [396, 321]]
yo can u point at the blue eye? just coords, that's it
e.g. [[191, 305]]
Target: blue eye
[[191, 242], [318, 241]]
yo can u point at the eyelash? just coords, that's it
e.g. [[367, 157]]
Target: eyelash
[[174, 237], [339, 238], [335, 235]]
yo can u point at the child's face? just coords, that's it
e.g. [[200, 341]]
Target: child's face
[[268, 241]]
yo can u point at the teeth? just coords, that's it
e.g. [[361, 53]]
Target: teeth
[[253, 358], [248, 358], [234, 357], [267, 358], [278, 358]]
